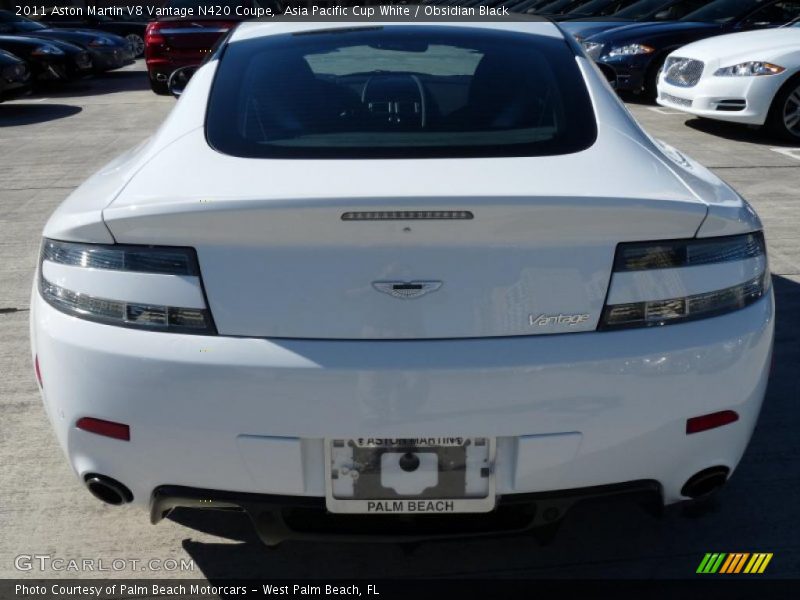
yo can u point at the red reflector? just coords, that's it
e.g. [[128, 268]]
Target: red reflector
[[38, 370], [110, 429], [717, 419]]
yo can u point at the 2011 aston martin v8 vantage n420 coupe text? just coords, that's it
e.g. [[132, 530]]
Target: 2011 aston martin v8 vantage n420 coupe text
[[364, 271]]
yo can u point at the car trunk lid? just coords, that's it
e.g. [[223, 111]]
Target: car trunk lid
[[279, 260]]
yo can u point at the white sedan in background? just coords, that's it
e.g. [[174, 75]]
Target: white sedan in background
[[749, 77], [383, 270]]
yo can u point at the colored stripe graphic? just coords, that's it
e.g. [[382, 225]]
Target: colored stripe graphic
[[703, 563], [738, 567], [752, 563], [764, 564], [728, 563], [758, 563], [735, 562], [712, 562]]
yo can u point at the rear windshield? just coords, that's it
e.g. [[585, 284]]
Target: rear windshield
[[399, 92]]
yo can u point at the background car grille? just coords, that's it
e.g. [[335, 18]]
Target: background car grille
[[675, 100], [683, 72]]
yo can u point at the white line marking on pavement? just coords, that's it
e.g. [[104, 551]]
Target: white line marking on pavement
[[790, 152], [36, 101], [664, 111]]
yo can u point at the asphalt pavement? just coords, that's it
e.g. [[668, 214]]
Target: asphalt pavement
[[51, 142]]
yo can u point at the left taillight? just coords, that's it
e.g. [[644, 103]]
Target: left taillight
[[142, 287], [153, 35]]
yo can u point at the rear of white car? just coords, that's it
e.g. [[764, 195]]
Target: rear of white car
[[329, 322], [734, 77]]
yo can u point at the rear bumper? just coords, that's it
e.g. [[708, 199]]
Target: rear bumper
[[280, 518], [250, 415], [161, 69]]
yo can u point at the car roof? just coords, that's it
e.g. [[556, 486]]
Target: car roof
[[258, 28]]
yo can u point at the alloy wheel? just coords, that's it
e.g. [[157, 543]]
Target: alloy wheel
[[791, 112], [137, 44]]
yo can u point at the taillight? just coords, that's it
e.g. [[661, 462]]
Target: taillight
[[717, 276], [118, 431], [152, 35], [142, 287]]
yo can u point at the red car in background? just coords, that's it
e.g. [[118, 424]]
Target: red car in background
[[173, 42]]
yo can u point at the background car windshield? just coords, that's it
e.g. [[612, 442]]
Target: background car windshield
[[640, 9], [399, 92], [20, 23], [660, 10], [599, 8], [722, 11]]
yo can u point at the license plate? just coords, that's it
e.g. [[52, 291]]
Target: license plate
[[410, 475]]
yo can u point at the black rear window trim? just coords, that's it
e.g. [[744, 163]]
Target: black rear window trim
[[486, 152]]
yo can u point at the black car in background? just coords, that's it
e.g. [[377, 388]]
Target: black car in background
[[559, 7], [130, 29], [643, 11], [48, 60], [523, 6], [597, 8], [631, 56], [108, 51], [15, 77]]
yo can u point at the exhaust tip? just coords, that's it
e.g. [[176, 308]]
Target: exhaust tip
[[705, 483], [108, 490]]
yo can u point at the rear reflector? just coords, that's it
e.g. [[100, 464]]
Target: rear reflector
[[706, 422], [118, 431], [38, 370]]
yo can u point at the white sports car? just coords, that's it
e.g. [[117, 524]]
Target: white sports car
[[749, 77], [365, 271]]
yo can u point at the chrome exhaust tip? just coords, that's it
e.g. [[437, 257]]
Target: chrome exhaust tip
[[108, 490], [705, 483]]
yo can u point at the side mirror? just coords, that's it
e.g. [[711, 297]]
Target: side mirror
[[180, 79]]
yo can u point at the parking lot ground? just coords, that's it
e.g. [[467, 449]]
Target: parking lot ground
[[51, 142]]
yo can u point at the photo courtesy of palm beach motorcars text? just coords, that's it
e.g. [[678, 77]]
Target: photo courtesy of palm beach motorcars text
[[316, 298], [150, 590]]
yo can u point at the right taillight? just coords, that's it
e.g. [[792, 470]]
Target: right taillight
[[659, 283]]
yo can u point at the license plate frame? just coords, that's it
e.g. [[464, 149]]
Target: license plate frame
[[414, 504]]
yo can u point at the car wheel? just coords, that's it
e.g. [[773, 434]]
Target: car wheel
[[137, 44], [784, 114], [159, 87]]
